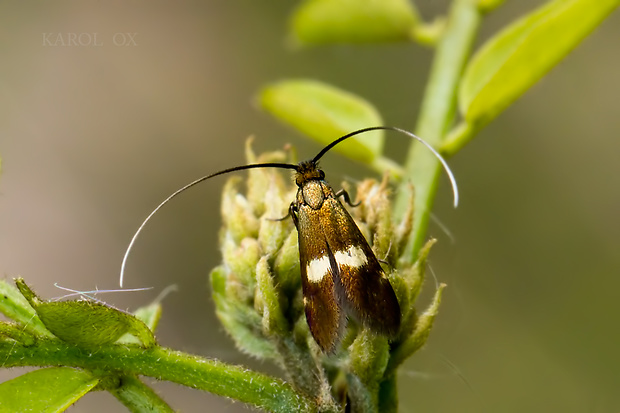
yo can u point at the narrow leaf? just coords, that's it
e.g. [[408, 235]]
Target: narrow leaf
[[16, 332], [515, 59], [353, 21], [325, 113], [14, 306], [149, 315], [138, 397], [47, 390], [419, 335], [86, 323]]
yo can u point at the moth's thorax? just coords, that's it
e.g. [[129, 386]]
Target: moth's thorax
[[314, 193]]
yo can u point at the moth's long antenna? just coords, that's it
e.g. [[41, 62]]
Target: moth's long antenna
[[455, 189], [193, 183]]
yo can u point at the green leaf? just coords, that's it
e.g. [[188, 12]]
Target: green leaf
[[419, 335], [47, 390], [16, 332], [150, 316], [86, 323], [325, 113], [240, 321], [138, 397], [512, 61], [486, 6], [14, 306], [353, 21]]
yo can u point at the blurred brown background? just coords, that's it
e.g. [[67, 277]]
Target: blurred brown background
[[93, 137]]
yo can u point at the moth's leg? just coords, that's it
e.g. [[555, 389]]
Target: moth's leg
[[292, 212], [386, 256], [345, 195]]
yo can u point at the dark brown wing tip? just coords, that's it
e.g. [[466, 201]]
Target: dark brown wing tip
[[375, 306]]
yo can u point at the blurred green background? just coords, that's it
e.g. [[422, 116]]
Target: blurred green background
[[93, 137]]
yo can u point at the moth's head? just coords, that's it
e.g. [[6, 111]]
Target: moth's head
[[308, 171]]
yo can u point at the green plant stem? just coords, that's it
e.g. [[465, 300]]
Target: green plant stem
[[458, 137], [219, 378], [438, 107], [138, 397], [388, 394]]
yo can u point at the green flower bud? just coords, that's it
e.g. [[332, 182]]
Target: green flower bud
[[274, 321], [375, 210], [260, 181], [419, 335], [286, 265], [240, 321], [238, 215], [403, 230], [275, 225], [369, 356], [240, 260]]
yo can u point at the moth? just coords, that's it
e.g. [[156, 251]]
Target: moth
[[341, 277]]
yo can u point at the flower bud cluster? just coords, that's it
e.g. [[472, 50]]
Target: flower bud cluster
[[257, 288]]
